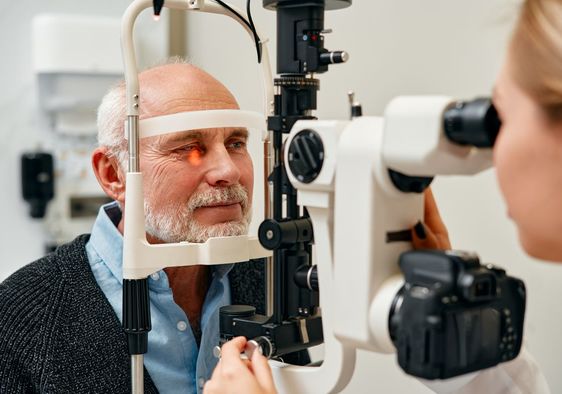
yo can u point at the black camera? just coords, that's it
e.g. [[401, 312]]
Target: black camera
[[454, 316]]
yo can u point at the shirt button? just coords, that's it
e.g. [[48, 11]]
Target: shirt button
[[201, 383], [155, 276], [182, 326]]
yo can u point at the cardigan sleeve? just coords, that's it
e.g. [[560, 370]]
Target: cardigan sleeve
[[26, 317]]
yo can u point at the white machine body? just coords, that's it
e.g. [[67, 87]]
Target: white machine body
[[415, 143], [339, 360], [353, 204]]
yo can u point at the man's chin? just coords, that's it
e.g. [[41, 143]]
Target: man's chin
[[211, 216], [201, 233], [193, 230]]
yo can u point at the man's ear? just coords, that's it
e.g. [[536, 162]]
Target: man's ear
[[109, 174]]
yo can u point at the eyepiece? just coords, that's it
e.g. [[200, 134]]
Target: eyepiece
[[473, 123]]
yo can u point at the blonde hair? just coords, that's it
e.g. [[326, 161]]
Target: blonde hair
[[536, 54]]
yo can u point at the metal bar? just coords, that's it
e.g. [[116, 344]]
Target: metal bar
[[279, 285], [133, 138], [268, 207], [278, 275], [177, 34], [137, 374]]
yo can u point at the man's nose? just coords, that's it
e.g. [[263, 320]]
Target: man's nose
[[222, 170]]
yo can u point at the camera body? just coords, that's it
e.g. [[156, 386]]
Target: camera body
[[454, 316]]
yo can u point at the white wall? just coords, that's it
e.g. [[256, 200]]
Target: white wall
[[21, 238], [398, 47]]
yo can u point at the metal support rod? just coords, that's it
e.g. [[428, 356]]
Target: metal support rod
[[269, 286], [137, 374], [177, 34], [279, 284], [268, 207], [133, 138], [277, 267]]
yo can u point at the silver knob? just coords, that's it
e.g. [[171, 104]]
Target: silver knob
[[251, 347]]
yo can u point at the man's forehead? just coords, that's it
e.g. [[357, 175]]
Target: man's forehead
[[167, 106], [181, 87], [203, 134]]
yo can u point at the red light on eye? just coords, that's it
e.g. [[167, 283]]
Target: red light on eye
[[314, 37], [194, 157]]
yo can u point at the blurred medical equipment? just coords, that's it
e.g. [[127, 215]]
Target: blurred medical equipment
[[37, 181], [75, 60], [344, 196]]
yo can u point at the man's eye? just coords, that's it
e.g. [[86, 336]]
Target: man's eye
[[237, 145], [189, 148]]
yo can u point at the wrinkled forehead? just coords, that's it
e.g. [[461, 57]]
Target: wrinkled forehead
[[170, 140], [181, 122]]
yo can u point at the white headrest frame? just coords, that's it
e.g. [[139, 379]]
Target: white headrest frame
[[196, 120]]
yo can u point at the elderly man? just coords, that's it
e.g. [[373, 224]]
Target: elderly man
[[60, 327]]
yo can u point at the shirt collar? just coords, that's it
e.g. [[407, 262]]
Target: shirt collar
[[108, 243], [107, 240]]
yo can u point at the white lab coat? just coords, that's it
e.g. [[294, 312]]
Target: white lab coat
[[520, 376]]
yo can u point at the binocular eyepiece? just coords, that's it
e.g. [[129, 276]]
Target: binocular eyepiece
[[473, 123]]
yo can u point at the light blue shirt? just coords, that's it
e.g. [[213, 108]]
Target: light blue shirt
[[174, 361]]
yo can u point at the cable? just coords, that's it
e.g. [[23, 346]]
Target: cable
[[253, 28], [223, 4], [250, 24]]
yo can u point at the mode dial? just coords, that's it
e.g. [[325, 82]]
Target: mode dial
[[306, 155]]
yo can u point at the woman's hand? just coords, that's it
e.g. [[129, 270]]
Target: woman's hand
[[432, 234], [234, 375]]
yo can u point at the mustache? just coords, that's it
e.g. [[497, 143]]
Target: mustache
[[219, 195]]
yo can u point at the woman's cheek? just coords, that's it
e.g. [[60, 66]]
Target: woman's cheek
[[503, 162]]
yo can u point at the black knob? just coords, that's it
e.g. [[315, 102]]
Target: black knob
[[306, 277], [334, 57], [228, 313], [328, 4], [473, 123], [306, 156], [273, 234], [261, 344]]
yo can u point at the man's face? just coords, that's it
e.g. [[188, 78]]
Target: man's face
[[198, 184]]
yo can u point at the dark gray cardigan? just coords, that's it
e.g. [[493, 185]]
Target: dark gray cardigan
[[59, 334]]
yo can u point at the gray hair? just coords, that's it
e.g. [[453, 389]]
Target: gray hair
[[112, 116]]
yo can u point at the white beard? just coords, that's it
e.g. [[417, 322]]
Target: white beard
[[175, 223]]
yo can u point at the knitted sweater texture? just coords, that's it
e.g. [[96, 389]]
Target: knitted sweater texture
[[59, 334]]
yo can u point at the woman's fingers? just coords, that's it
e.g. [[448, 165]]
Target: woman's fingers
[[432, 234], [231, 365], [262, 372], [236, 375], [230, 351], [433, 220]]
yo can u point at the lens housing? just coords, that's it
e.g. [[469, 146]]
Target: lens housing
[[473, 123]]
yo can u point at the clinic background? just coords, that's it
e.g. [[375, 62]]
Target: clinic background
[[396, 47]]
